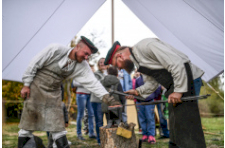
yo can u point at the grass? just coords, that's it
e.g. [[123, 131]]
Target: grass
[[214, 136]]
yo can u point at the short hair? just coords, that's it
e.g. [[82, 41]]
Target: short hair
[[122, 48], [99, 61], [112, 70]]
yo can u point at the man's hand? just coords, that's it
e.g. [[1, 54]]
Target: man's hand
[[25, 92], [132, 92], [175, 97], [110, 100]]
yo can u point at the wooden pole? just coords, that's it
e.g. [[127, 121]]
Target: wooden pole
[[112, 22]]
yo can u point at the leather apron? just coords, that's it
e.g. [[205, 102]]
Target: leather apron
[[42, 111], [184, 118]]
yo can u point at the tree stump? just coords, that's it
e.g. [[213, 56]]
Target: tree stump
[[109, 139]]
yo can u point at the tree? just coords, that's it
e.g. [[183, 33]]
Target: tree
[[213, 104], [11, 92]]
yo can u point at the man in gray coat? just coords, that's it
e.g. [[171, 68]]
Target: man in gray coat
[[160, 63], [42, 80]]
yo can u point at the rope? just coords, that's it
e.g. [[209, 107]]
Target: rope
[[215, 91]]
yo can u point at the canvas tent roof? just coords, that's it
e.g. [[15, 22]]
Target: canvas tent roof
[[194, 27]]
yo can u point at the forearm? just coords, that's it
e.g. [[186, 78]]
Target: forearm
[[150, 85]]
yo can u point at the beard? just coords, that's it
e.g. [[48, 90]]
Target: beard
[[77, 58], [128, 65]]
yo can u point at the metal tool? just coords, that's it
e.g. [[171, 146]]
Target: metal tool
[[111, 91], [183, 99]]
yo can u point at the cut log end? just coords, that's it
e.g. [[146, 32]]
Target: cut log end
[[109, 139]]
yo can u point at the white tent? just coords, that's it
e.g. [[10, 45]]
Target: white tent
[[28, 26], [193, 26]]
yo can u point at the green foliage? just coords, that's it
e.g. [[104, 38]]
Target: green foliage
[[11, 92], [213, 104]]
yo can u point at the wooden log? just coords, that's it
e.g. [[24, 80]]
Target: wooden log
[[109, 139]]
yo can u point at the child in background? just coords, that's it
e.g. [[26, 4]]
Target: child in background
[[146, 114]]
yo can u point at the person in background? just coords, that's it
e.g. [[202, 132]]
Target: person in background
[[83, 101], [85, 118], [162, 120], [146, 114], [112, 82], [95, 101], [126, 82], [136, 75]]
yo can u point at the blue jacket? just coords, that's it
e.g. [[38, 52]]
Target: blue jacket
[[154, 95], [125, 80]]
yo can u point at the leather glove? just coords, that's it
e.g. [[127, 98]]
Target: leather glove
[[110, 100]]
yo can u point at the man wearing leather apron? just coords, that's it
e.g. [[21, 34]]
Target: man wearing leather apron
[[160, 63], [42, 89]]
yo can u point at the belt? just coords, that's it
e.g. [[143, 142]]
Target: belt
[[82, 93]]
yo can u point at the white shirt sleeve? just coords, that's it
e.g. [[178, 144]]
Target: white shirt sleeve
[[84, 75], [172, 62], [46, 56], [150, 85]]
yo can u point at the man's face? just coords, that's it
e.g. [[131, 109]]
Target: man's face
[[82, 53], [118, 60], [122, 61], [101, 65]]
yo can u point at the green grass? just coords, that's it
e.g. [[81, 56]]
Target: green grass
[[214, 136]]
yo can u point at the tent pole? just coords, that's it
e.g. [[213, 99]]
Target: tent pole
[[112, 22]]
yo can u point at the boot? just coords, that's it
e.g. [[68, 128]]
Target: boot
[[50, 141], [172, 145], [62, 142], [22, 141]]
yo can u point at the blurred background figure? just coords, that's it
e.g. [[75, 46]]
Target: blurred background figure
[[126, 82], [146, 114], [135, 76], [95, 101], [83, 101], [162, 118]]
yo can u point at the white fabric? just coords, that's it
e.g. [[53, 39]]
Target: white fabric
[[25, 133], [55, 135], [28, 26], [45, 57], [80, 88], [194, 27]]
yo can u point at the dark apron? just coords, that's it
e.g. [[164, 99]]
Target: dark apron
[[184, 119]]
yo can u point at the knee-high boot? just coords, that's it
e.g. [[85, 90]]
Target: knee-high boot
[[22, 141], [62, 142]]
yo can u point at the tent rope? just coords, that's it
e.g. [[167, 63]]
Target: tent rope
[[215, 91]]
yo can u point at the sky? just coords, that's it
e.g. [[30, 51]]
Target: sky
[[128, 28]]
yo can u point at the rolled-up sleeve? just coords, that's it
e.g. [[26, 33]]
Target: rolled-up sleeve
[[44, 57], [150, 85], [88, 80]]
